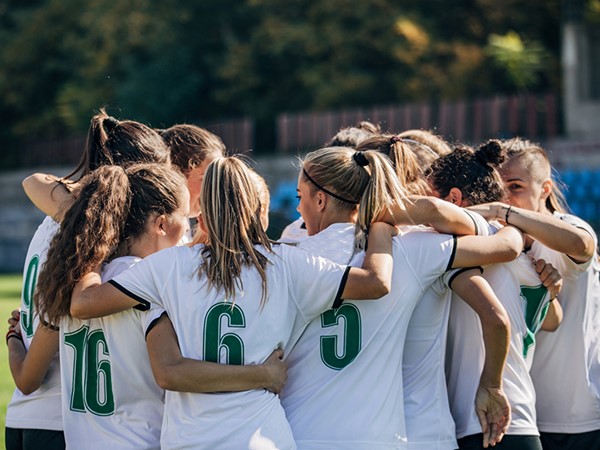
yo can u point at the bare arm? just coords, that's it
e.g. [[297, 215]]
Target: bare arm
[[175, 373], [48, 193], [545, 228], [374, 279], [491, 403], [552, 280], [504, 246], [443, 216], [28, 368], [91, 298]]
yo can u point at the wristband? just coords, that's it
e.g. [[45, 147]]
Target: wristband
[[13, 334], [507, 213]]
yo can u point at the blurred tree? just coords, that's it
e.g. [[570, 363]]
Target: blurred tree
[[166, 61]]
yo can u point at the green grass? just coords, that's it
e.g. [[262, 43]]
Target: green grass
[[10, 295]]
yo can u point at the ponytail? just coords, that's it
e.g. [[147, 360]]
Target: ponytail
[[383, 189], [89, 234], [230, 206]]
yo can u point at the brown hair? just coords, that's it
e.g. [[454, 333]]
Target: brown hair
[[429, 139], [537, 162], [363, 180], [111, 205], [475, 173], [230, 208], [191, 145], [119, 142]]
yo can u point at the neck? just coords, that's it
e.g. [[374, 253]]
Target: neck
[[141, 247], [331, 217]]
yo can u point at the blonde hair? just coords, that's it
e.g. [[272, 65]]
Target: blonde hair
[[264, 196], [363, 180], [230, 206], [403, 158], [536, 161]]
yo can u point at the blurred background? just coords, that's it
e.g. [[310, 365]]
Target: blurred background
[[276, 79]]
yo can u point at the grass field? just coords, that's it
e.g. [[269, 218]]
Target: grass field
[[10, 293]]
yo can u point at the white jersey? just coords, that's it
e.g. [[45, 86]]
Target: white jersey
[[344, 388], [425, 392], [294, 232], [519, 289], [111, 400], [211, 327], [41, 409], [566, 366]]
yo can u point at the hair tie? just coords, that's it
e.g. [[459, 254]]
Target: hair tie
[[110, 123], [360, 159], [395, 139], [321, 188]]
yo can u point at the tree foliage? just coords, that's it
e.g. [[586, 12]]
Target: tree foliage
[[164, 62]]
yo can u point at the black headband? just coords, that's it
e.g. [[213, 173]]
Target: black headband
[[325, 190]]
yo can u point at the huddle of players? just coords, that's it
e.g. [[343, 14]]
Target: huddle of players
[[450, 350]]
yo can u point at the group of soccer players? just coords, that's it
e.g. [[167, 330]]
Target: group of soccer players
[[431, 296]]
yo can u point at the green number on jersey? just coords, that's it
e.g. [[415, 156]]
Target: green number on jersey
[[214, 341], [28, 290], [92, 378], [352, 336], [535, 312]]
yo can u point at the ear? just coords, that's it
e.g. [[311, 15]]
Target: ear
[[455, 196], [159, 225], [547, 188], [321, 200]]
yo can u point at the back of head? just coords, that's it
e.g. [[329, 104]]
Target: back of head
[[535, 160], [429, 141], [403, 159], [475, 173], [190, 146], [115, 142], [110, 205], [230, 210], [353, 179], [353, 136]]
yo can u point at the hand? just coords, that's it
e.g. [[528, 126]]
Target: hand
[[490, 211], [276, 370], [549, 276], [13, 321], [493, 411]]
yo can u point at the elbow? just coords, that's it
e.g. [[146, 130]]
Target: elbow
[[78, 312], [27, 386], [165, 378], [382, 288], [583, 248]]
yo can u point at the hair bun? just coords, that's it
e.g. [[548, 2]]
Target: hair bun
[[109, 123], [491, 153]]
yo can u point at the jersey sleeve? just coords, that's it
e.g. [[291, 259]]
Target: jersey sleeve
[[315, 283], [145, 281]]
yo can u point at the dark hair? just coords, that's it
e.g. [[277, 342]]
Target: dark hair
[[352, 136], [475, 173], [119, 142], [110, 205], [191, 145]]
